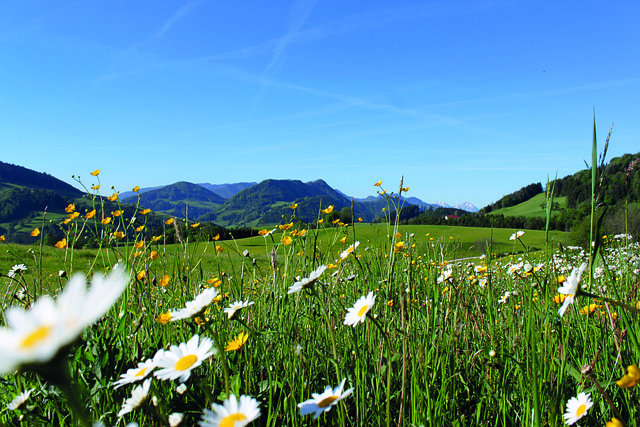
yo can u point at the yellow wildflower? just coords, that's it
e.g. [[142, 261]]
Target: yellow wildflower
[[559, 299], [217, 236], [113, 197], [215, 282], [73, 215], [139, 229], [139, 244], [164, 281], [153, 255], [136, 189], [35, 232], [2, 238], [66, 221], [321, 220], [293, 206], [344, 239], [169, 221], [95, 187], [219, 248], [359, 219], [90, 214], [95, 172], [631, 378], [106, 220], [61, 244], [398, 247], [70, 208], [405, 189], [378, 184], [141, 275], [164, 318], [117, 212], [145, 211], [328, 210], [237, 342], [118, 234], [286, 240], [285, 227], [195, 225], [156, 238]]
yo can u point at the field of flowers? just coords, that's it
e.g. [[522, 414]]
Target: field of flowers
[[320, 332]]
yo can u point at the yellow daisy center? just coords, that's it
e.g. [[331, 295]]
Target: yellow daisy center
[[581, 410], [185, 362], [327, 401], [363, 310], [230, 420], [141, 372], [35, 337]]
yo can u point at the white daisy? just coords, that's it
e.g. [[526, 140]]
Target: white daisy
[[175, 419], [16, 269], [350, 249], [445, 275], [307, 281], [358, 312], [179, 360], [577, 408], [570, 288], [19, 400], [138, 396], [231, 413], [516, 235], [323, 402], [142, 371], [36, 335], [231, 310], [195, 307]]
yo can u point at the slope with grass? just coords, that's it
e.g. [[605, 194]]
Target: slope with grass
[[534, 207]]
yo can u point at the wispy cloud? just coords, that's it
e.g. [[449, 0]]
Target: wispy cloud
[[297, 17]]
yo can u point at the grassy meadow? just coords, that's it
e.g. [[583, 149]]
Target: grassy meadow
[[352, 324]]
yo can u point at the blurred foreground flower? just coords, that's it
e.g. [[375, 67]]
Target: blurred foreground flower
[[232, 412], [35, 336], [323, 402], [350, 249], [516, 235]]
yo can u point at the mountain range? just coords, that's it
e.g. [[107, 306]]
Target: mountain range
[[26, 193]]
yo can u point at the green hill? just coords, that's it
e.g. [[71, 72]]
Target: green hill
[[181, 199], [534, 207]]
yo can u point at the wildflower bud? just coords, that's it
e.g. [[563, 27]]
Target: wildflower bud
[[587, 370], [492, 353]]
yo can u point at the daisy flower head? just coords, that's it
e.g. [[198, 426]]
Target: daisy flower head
[[307, 281], [138, 396], [36, 335], [16, 269], [233, 307], [570, 288], [180, 360], [232, 412], [358, 312], [323, 402], [142, 371], [19, 400], [516, 235], [196, 307], [577, 408], [350, 249]]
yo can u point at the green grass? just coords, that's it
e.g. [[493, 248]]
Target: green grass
[[448, 340], [531, 208]]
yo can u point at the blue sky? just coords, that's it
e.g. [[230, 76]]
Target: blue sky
[[469, 100]]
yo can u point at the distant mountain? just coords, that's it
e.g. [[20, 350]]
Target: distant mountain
[[228, 190], [466, 206], [181, 199]]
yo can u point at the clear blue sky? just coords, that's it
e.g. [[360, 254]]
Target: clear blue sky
[[469, 100]]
